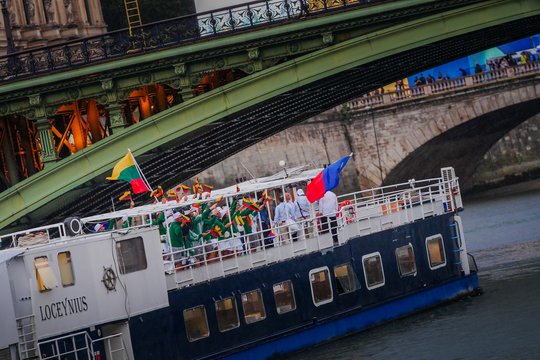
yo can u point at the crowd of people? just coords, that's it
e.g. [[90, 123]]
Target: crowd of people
[[208, 230]]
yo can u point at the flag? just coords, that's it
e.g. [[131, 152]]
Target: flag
[[326, 180], [127, 170], [250, 204], [157, 192], [172, 195], [183, 188], [125, 196]]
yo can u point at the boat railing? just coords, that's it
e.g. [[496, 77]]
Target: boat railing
[[72, 346], [380, 201], [26, 331], [364, 213], [114, 347]]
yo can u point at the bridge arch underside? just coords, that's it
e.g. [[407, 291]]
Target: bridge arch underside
[[188, 154], [464, 146]]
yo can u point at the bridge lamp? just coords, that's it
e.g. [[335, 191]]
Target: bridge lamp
[[282, 163]]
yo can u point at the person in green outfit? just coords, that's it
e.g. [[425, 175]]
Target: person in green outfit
[[176, 234]]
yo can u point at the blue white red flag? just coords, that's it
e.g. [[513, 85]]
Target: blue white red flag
[[326, 180]]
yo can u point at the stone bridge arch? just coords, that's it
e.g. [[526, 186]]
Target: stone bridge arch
[[416, 139]]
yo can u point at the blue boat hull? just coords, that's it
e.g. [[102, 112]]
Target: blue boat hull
[[161, 334], [323, 332]]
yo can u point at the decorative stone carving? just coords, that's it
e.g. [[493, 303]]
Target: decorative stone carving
[[180, 69], [328, 38], [219, 63], [107, 84], [29, 9], [69, 11], [253, 53], [49, 10], [73, 93], [116, 116], [34, 100], [48, 152], [146, 79], [293, 47]]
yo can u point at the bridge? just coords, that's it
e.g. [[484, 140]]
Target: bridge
[[276, 73], [483, 124]]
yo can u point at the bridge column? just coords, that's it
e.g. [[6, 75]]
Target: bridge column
[[186, 91], [116, 115], [48, 152]]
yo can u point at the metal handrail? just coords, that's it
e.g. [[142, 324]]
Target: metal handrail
[[364, 198], [367, 103], [158, 35]]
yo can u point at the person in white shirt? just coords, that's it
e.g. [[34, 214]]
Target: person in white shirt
[[303, 213], [283, 214], [328, 207]]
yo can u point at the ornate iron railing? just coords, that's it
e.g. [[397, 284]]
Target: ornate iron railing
[[164, 34]]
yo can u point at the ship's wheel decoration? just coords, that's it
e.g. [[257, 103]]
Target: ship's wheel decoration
[[109, 278]]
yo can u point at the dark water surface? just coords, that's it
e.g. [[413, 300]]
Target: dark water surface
[[502, 231]]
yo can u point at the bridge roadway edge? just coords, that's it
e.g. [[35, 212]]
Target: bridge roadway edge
[[99, 159], [203, 46]]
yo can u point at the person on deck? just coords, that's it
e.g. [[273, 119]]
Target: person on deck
[[281, 218], [303, 212], [328, 207], [177, 238]]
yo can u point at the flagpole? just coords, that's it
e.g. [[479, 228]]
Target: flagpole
[[139, 168], [112, 202]]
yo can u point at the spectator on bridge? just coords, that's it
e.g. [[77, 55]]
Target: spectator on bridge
[[431, 79], [462, 72], [478, 69], [422, 79]]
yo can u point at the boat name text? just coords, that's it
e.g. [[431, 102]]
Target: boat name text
[[63, 308]]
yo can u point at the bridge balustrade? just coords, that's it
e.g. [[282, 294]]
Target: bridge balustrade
[[164, 34], [444, 86]]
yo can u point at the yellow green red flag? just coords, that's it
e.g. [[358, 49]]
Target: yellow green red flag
[[127, 170]]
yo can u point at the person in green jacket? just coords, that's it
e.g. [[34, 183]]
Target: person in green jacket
[[176, 235]]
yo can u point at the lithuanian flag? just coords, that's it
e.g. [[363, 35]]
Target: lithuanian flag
[[127, 170]]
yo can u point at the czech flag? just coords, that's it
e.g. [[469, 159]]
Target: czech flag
[[326, 180], [128, 170]]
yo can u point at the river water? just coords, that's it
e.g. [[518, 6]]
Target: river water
[[502, 230]]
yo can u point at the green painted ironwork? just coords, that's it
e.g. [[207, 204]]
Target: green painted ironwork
[[158, 130]]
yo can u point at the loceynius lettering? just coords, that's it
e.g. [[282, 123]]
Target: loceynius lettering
[[66, 307]]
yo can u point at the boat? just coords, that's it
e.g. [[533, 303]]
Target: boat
[[75, 290]]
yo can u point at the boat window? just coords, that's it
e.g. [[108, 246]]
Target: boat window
[[227, 314], [253, 305], [131, 255], [196, 323], [321, 287], [373, 270], [435, 249], [44, 274], [346, 280], [66, 268], [405, 260], [284, 297]]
